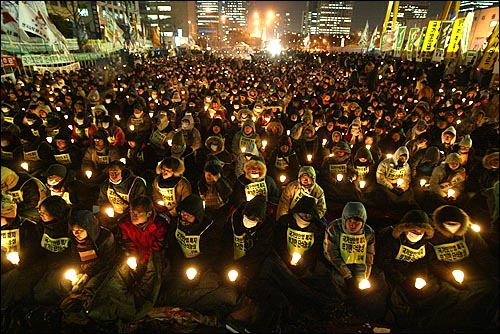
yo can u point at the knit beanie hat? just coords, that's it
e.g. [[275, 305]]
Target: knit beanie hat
[[466, 141], [256, 208], [214, 166]]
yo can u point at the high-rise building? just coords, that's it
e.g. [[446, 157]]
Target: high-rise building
[[409, 11], [328, 17], [469, 6]]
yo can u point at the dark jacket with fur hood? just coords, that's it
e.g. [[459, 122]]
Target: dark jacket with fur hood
[[239, 194]]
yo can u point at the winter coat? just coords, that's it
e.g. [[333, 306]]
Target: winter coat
[[357, 260], [171, 191], [388, 173], [119, 196], [294, 191]]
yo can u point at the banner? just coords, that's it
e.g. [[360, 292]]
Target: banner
[[491, 53], [400, 38], [30, 60], [10, 23], [456, 36], [34, 18], [412, 37], [431, 36], [9, 62], [443, 40], [464, 42], [68, 68], [156, 38], [364, 37], [372, 40]]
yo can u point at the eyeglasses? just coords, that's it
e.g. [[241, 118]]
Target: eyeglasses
[[137, 213]]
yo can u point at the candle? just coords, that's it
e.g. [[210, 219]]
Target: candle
[[362, 184], [132, 262], [420, 283], [232, 275], [295, 258], [191, 273]]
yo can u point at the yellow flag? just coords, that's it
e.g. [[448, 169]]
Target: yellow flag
[[431, 36], [456, 36], [156, 38], [491, 53]]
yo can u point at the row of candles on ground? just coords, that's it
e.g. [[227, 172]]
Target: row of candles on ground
[[192, 273]]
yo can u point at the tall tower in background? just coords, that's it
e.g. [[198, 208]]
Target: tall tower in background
[[328, 17]]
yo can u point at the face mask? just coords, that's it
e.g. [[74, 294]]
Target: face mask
[[214, 147], [254, 176], [301, 222], [248, 223], [79, 121], [185, 126], [105, 125], [5, 143], [412, 237], [108, 101], [30, 122], [5, 110], [117, 182], [138, 114], [452, 228], [162, 92]]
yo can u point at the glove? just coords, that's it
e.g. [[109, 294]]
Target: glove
[[82, 280], [397, 191]]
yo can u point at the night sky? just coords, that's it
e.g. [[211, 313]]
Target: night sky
[[373, 11]]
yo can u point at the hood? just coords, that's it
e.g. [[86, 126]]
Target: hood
[[363, 152], [354, 209], [446, 213], [401, 150], [275, 124], [306, 204], [450, 129], [176, 164], [188, 117], [256, 207], [309, 170], [252, 164], [217, 141], [341, 146], [9, 179], [250, 123], [432, 155], [414, 219], [87, 221], [192, 204], [307, 114]]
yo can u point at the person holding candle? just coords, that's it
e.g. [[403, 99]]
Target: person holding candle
[[447, 183], [95, 253], [117, 192], [394, 179], [464, 263], [170, 186], [304, 185], [27, 191], [415, 298], [194, 245], [349, 247], [132, 286]]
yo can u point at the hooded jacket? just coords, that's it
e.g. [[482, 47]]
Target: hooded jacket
[[240, 140], [474, 256], [294, 191], [388, 171], [99, 250], [334, 242]]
